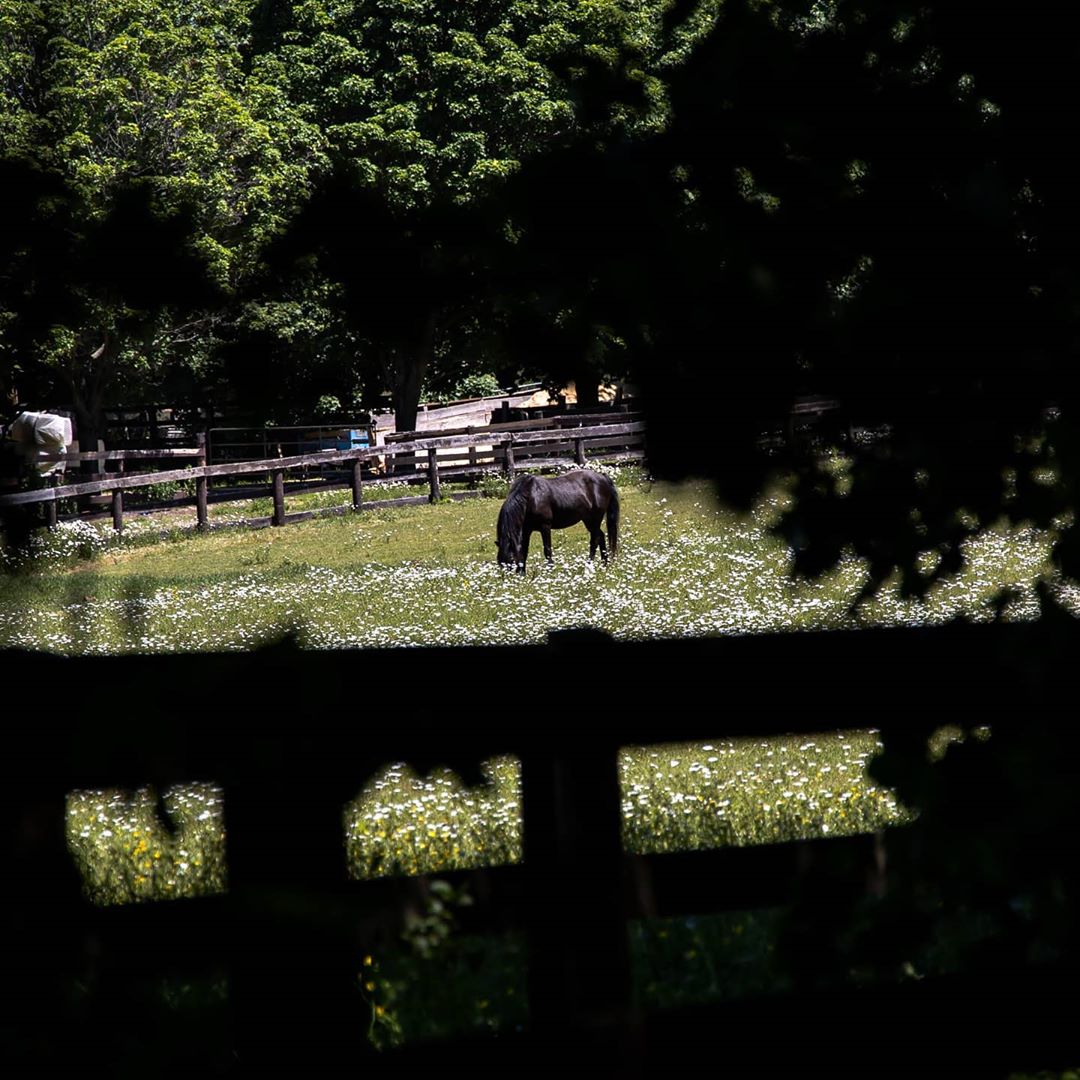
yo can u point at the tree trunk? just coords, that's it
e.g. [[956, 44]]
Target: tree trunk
[[587, 385], [88, 381], [90, 419], [408, 378], [409, 366]]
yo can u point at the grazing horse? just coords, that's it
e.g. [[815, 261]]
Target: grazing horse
[[537, 503]]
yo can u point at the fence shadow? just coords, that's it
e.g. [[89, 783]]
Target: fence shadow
[[993, 850]]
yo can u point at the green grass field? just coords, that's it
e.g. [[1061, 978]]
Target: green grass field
[[675, 797], [426, 575]]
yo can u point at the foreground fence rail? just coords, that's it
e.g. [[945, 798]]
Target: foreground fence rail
[[292, 929]]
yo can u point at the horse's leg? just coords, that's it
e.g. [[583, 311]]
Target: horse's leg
[[545, 534], [525, 537], [596, 539]]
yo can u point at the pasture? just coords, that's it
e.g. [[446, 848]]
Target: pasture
[[427, 575], [675, 798]]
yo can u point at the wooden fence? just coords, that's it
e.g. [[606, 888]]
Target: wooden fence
[[290, 736], [532, 444]]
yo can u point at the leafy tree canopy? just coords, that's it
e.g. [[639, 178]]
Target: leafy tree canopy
[[863, 201], [429, 109], [178, 158], [431, 102]]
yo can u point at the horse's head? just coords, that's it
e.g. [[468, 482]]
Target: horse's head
[[508, 540], [508, 550]]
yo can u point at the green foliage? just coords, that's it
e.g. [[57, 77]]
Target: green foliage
[[479, 385], [439, 982], [1068, 1074], [22, 30], [163, 93], [165, 490], [432, 102], [125, 852], [699, 959], [216, 121], [428, 110], [494, 486], [295, 345], [175, 160], [427, 933]]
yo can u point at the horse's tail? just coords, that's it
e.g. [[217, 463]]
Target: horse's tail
[[613, 520]]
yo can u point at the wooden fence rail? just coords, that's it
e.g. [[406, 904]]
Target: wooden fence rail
[[291, 930], [569, 420], [628, 437], [120, 455]]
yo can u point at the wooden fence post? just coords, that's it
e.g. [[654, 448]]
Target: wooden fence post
[[50, 507], [580, 973], [357, 484], [579, 451], [433, 474], [118, 510], [279, 497], [510, 459], [202, 483]]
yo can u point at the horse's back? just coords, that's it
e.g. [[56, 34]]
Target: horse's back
[[578, 495], [600, 487], [566, 499]]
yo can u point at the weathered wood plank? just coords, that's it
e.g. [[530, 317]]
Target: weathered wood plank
[[201, 498], [638, 427], [357, 484], [530, 463], [116, 455], [93, 487], [279, 496], [285, 463], [562, 421], [335, 511], [433, 474]]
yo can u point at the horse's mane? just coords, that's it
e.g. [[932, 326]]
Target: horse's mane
[[512, 514]]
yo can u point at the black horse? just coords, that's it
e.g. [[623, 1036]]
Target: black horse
[[536, 502]]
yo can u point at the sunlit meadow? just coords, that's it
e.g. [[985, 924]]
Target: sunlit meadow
[[426, 575], [125, 852], [675, 797]]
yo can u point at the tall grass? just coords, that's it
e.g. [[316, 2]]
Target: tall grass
[[426, 575]]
